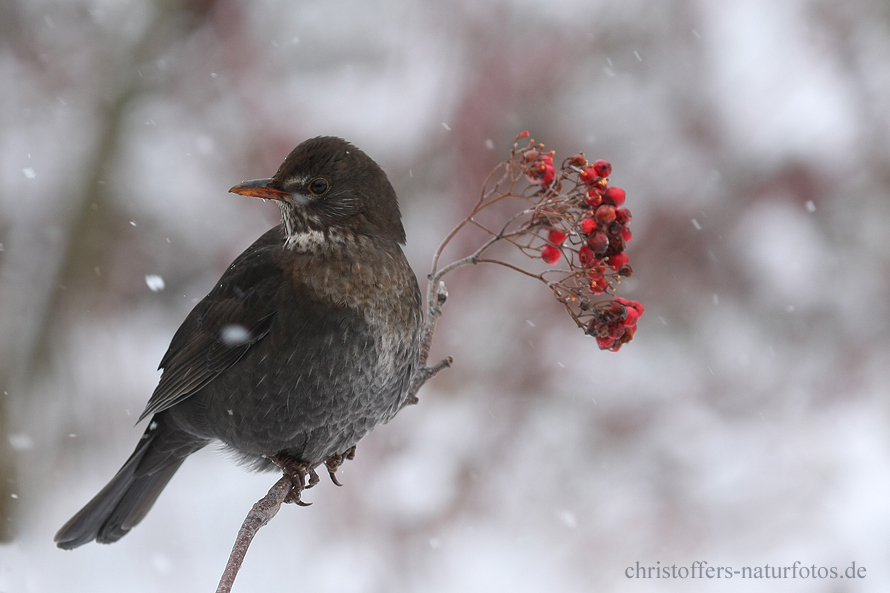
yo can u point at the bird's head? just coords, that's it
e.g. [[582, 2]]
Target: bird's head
[[327, 187]]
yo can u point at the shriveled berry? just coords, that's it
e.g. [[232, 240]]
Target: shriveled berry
[[556, 237], [635, 304], [616, 195], [598, 242], [602, 168], [588, 225], [578, 160], [605, 214], [617, 310], [550, 254]]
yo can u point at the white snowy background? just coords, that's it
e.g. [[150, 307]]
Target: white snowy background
[[747, 424]]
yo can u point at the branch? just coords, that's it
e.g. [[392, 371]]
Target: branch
[[261, 513]]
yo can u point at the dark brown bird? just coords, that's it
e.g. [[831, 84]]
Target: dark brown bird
[[306, 343]]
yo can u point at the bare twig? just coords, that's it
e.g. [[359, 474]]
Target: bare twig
[[261, 513]]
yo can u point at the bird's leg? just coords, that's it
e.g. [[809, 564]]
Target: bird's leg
[[335, 461], [300, 474]]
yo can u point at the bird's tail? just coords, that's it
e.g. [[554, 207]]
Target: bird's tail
[[126, 499]]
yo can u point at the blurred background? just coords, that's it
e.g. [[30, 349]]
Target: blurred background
[[747, 424]]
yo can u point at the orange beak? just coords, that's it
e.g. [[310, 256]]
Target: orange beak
[[259, 188]]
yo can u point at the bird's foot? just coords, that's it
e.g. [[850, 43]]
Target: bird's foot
[[335, 461], [302, 476], [422, 375]]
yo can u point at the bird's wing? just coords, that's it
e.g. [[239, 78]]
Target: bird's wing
[[234, 316]]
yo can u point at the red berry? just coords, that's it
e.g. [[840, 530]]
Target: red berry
[[598, 242], [605, 343], [618, 260], [522, 135], [586, 256], [550, 254], [544, 170], [616, 194], [588, 175], [598, 284], [626, 234], [541, 171], [632, 315], [628, 334], [636, 305], [622, 215], [556, 237], [594, 197], [605, 213], [598, 268], [602, 168], [588, 225]]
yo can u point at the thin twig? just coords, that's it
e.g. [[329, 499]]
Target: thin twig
[[261, 513], [512, 267], [436, 276]]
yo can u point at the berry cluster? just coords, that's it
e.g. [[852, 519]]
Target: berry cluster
[[577, 217], [571, 216], [616, 324]]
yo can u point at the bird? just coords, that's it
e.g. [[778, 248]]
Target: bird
[[307, 342]]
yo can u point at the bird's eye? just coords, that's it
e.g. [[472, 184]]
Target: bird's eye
[[318, 186]]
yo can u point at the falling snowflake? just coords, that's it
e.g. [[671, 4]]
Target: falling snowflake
[[234, 335], [154, 282]]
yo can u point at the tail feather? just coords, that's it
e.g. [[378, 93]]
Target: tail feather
[[130, 494]]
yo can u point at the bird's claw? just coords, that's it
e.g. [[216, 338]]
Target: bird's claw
[[335, 461], [302, 476]]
